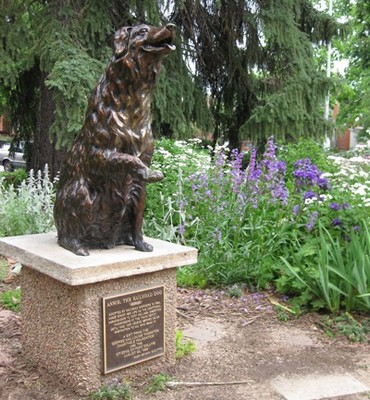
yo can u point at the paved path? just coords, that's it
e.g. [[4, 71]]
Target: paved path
[[275, 362]]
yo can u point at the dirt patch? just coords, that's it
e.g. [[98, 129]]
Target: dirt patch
[[239, 342], [258, 348]]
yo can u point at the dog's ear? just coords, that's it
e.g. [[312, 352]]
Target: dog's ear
[[121, 40]]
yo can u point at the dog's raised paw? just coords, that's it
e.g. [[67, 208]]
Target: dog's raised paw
[[154, 176]]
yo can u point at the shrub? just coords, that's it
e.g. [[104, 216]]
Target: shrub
[[158, 383], [347, 325], [176, 159], [311, 148], [14, 178], [250, 223], [27, 208], [335, 272], [183, 347], [113, 391], [11, 299]]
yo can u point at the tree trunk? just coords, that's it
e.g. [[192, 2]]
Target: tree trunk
[[233, 137], [43, 150]]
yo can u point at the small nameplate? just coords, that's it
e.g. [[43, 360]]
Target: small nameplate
[[133, 328]]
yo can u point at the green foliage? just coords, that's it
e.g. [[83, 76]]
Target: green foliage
[[158, 383], [259, 88], [313, 245], [72, 63], [11, 299], [304, 148], [27, 208], [285, 313], [348, 326], [183, 347], [336, 273], [191, 276], [235, 249], [114, 391], [235, 290], [66, 47], [14, 178], [71, 79], [4, 267], [179, 104], [354, 97], [235, 241], [246, 87], [163, 211]]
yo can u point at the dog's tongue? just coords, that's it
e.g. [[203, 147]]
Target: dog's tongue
[[159, 48]]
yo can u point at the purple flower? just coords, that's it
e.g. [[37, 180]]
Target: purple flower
[[335, 206], [268, 176], [296, 210], [311, 223], [217, 235], [220, 162], [253, 171], [323, 183], [309, 194], [270, 149], [356, 228], [237, 173], [181, 229], [307, 174], [336, 222]]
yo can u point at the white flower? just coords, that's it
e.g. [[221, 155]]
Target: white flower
[[309, 201], [180, 143], [360, 190], [335, 158], [164, 152], [342, 172], [357, 159], [195, 140], [324, 197]]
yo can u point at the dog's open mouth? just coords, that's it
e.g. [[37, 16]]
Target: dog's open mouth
[[165, 45]]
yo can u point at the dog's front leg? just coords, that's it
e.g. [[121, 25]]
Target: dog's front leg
[[112, 161]]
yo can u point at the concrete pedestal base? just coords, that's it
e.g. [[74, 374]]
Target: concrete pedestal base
[[61, 303]]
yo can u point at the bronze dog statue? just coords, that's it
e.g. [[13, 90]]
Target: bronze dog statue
[[102, 188]]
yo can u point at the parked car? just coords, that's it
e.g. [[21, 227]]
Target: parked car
[[10, 160]]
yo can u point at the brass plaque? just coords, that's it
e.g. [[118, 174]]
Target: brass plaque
[[133, 328]]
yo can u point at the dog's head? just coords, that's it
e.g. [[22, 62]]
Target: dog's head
[[146, 38]]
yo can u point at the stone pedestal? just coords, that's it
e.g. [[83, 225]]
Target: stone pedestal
[[62, 310]]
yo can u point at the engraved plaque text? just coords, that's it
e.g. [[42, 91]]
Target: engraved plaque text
[[133, 328]]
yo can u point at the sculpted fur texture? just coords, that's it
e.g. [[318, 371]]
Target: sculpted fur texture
[[102, 189]]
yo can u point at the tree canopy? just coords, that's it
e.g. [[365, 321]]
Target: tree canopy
[[256, 60], [354, 96], [53, 53], [244, 67]]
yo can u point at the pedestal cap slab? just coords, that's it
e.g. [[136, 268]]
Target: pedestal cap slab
[[42, 253]]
